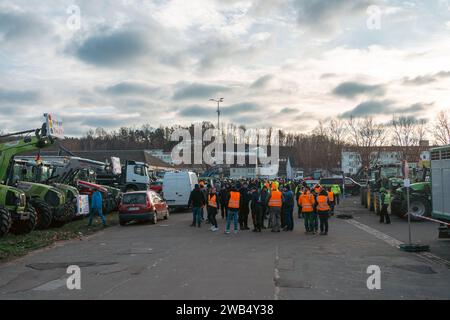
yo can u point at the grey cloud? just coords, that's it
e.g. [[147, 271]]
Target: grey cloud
[[354, 89], [426, 79], [368, 108], [18, 26], [288, 110], [416, 108], [116, 49], [324, 16], [17, 96], [196, 111], [328, 75], [197, 90], [130, 88], [206, 112], [262, 82]]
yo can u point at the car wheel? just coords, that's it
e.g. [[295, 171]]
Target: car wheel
[[122, 223], [166, 216]]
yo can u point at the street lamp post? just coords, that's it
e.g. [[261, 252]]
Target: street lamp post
[[218, 110]]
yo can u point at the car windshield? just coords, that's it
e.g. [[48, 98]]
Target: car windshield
[[134, 198]]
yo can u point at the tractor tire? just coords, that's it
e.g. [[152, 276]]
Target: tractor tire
[[371, 203], [396, 208], [5, 221], [25, 226], [44, 214], [65, 214], [420, 208]]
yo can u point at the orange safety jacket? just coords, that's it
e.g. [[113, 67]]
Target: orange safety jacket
[[331, 196], [275, 199], [306, 201], [322, 203], [235, 197], [212, 200]]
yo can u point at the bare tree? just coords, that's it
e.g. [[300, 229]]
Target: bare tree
[[408, 132], [441, 127], [368, 137]]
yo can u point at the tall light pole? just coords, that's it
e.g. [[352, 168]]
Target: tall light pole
[[218, 110]]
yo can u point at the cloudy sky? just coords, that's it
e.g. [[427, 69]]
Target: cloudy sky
[[283, 63]]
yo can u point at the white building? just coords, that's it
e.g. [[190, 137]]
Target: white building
[[160, 154]]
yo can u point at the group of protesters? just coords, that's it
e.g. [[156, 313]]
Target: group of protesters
[[270, 204]]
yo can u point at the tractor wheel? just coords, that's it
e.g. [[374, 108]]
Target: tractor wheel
[[44, 214], [25, 226], [5, 221], [419, 207], [371, 203], [65, 214]]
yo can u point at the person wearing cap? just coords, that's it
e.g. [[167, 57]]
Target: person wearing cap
[[197, 200]]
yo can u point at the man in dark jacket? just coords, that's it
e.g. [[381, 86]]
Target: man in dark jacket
[[288, 208], [223, 195], [257, 211], [244, 209], [197, 200], [264, 208]]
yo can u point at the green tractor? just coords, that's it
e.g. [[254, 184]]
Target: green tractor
[[49, 202], [380, 176], [15, 215], [39, 173], [419, 199]]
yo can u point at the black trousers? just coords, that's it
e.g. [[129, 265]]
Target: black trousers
[[258, 217], [243, 216], [384, 215], [212, 212], [323, 218], [223, 210]]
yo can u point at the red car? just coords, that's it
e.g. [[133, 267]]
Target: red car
[[156, 186], [142, 206]]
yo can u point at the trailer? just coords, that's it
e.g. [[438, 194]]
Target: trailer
[[440, 180]]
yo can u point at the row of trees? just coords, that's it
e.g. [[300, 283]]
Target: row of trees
[[320, 148]]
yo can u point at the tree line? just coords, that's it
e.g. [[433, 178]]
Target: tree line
[[320, 148]]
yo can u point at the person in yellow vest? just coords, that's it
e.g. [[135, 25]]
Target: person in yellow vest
[[234, 203], [275, 202], [306, 204], [385, 203], [336, 189], [331, 199], [323, 211], [213, 207]]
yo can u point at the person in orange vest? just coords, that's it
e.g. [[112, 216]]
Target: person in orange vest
[[306, 204], [213, 207], [323, 211], [331, 198], [275, 202], [234, 203]]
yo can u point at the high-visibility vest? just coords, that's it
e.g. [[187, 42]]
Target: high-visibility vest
[[235, 197], [275, 199], [212, 200], [387, 198], [306, 201], [336, 189], [331, 196], [322, 203]]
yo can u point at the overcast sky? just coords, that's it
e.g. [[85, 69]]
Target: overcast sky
[[277, 63]]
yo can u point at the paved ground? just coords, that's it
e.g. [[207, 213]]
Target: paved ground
[[173, 261]]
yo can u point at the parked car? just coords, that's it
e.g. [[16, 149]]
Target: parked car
[[157, 186], [142, 206], [351, 186]]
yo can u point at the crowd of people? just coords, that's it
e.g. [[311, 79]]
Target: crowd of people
[[270, 204]]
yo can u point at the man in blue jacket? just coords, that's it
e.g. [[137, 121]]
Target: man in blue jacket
[[96, 207]]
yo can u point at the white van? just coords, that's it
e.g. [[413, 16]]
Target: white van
[[177, 187]]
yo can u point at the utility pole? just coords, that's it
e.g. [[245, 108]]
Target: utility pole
[[218, 111]]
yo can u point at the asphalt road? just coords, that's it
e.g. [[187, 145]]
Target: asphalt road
[[174, 261]]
